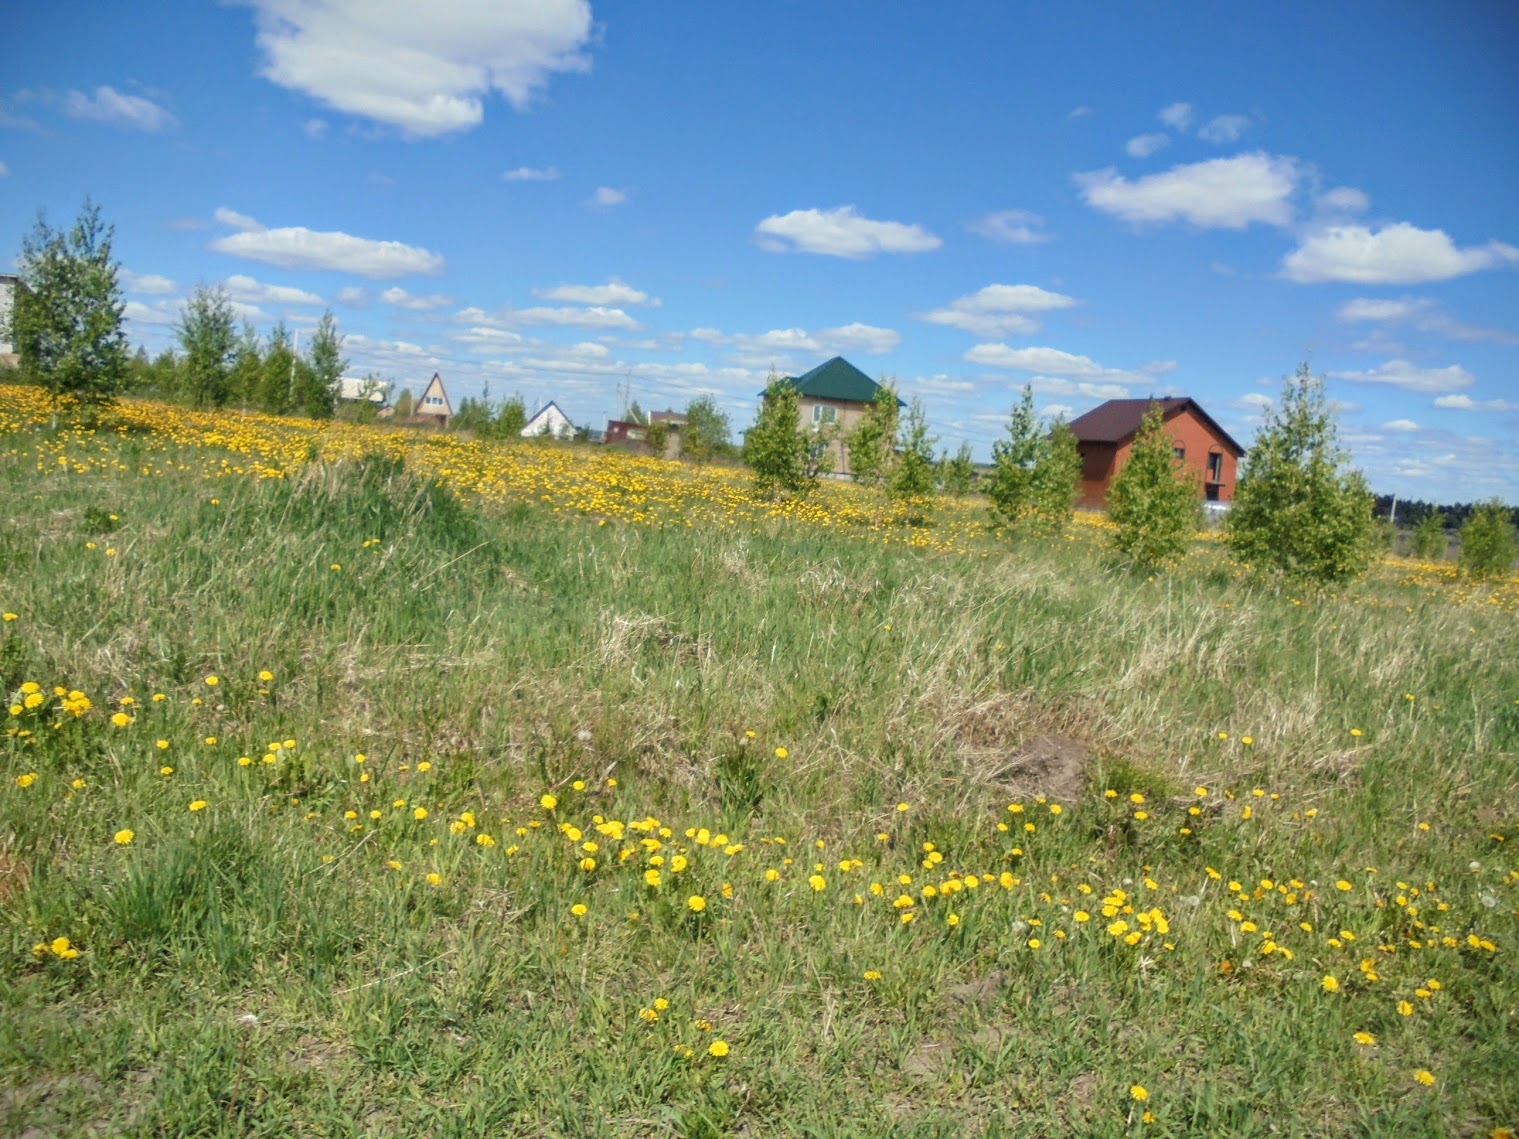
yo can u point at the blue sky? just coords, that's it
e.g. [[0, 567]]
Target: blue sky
[[558, 199]]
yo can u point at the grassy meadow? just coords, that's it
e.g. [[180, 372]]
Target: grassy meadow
[[360, 782]]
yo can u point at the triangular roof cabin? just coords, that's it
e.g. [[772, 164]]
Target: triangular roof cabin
[[435, 401], [549, 420]]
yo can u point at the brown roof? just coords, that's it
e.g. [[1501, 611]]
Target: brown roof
[[1119, 419]]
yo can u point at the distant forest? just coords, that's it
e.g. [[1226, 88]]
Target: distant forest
[[1412, 511]]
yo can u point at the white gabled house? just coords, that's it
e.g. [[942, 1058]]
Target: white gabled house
[[550, 423], [355, 389]]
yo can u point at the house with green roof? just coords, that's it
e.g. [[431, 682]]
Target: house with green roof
[[835, 394]]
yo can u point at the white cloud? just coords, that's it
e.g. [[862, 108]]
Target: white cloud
[[614, 292], [1177, 116], [1144, 145], [1223, 128], [1466, 403], [1050, 360], [485, 339], [1078, 112], [1228, 193], [857, 337], [159, 314], [1422, 314], [315, 128], [109, 105], [1257, 401], [840, 232], [353, 295], [597, 316], [607, 196], [1016, 227], [1396, 254], [1057, 411], [1410, 377], [1401, 425], [1369, 308], [429, 75], [234, 219], [999, 310], [402, 299], [148, 284], [246, 289], [4, 170], [532, 174], [1344, 200], [296, 247]]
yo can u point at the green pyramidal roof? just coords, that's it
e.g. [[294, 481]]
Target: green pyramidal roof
[[837, 379]]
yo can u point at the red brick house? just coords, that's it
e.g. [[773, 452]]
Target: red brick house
[[1105, 436]]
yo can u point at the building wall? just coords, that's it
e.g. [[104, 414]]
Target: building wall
[[1101, 462], [7, 301], [847, 416]]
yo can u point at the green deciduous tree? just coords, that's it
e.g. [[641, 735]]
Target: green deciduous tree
[[511, 418], [1299, 512], [872, 442], [277, 376], [957, 471], [316, 387], [1032, 486], [706, 433], [914, 480], [66, 320], [780, 454], [247, 368], [1156, 500], [207, 333], [1488, 544], [1429, 541]]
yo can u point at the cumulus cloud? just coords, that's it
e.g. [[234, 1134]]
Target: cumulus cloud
[[1411, 377], [428, 76], [1144, 145], [315, 129], [1396, 254], [596, 316], [250, 291], [614, 292], [857, 337], [4, 170], [148, 284], [841, 232], [1466, 403], [1223, 128], [1404, 425], [1177, 116], [999, 310], [1016, 227], [108, 105], [1049, 360], [1344, 200], [532, 174], [607, 197], [353, 295], [402, 299], [158, 314], [1422, 314], [1226, 193], [296, 247]]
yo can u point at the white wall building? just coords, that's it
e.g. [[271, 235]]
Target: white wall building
[[7, 305], [549, 421]]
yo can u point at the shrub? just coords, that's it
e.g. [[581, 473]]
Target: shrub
[[1429, 541], [1298, 511], [785, 460], [914, 480], [1155, 500], [1488, 544]]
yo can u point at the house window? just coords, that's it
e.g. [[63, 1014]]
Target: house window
[[1215, 467], [1181, 452]]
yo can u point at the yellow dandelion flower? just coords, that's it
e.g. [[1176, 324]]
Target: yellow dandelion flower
[[1138, 1092], [718, 1048], [124, 836]]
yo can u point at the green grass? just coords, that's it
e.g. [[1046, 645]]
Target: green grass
[[259, 968]]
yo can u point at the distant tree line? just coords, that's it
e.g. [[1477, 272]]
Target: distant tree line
[[1412, 512]]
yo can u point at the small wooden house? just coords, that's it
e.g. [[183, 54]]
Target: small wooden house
[[1105, 437], [434, 405]]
